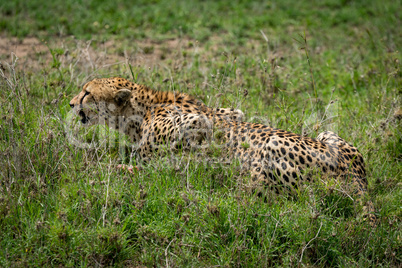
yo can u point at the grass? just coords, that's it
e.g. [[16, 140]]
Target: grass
[[69, 206]]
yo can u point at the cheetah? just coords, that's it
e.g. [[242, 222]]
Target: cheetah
[[276, 159]]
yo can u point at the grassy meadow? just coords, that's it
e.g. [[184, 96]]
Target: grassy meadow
[[304, 66]]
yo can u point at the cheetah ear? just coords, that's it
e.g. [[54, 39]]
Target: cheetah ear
[[122, 96]]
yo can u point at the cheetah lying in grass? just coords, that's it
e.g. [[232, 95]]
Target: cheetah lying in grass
[[275, 158]]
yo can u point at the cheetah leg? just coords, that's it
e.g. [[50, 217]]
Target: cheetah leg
[[356, 171], [263, 181], [360, 184]]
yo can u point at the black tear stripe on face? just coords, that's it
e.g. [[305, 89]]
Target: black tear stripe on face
[[84, 117], [86, 94]]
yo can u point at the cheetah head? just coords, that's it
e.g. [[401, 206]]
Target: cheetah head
[[99, 100]]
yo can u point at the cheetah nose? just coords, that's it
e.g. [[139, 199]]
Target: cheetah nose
[[71, 105]]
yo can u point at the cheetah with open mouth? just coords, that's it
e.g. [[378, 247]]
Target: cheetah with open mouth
[[277, 159]]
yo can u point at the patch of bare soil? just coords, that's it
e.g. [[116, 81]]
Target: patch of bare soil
[[91, 56], [26, 49], [21, 48], [34, 54]]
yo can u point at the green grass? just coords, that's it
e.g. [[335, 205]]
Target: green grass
[[69, 206]]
